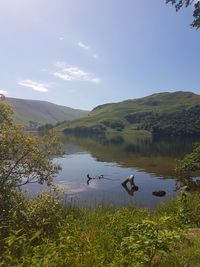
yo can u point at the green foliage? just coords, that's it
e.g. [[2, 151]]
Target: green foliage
[[162, 114], [186, 255], [147, 238], [25, 158], [185, 122], [185, 3], [45, 127], [184, 213], [5, 112], [95, 130], [185, 210], [29, 222], [190, 164], [114, 124], [42, 232]]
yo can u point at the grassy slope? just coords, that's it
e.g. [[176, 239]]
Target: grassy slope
[[42, 112], [160, 103]]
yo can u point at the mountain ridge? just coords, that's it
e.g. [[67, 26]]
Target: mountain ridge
[[37, 112], [159, 110]]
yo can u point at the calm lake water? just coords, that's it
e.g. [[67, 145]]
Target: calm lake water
[[152, 162]]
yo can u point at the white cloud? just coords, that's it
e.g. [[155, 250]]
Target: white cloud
[[37, 86], [72, 73], [3, 92], [83, 46], [88, 49]]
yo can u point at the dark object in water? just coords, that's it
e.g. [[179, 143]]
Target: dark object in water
[[132, 190], [129, 179], [134, 187], [96, 177], [159, 193], [89, 178]]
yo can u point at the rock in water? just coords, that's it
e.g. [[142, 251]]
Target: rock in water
[[159, 193]]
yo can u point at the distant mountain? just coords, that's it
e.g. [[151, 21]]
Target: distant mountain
[[33, 113], [163, 114]]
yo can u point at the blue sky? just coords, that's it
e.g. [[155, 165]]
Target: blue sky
[[82, 53]]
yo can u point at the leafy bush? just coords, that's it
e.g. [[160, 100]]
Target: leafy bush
[[190, 163], [42, 232], [146, 239]]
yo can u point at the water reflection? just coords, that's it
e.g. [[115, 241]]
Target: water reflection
[[151, 162], [131, 190], [157, 157]]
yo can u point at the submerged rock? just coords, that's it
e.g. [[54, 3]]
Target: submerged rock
[[159, 193]]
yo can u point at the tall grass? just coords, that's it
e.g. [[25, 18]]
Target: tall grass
[[43, 232]]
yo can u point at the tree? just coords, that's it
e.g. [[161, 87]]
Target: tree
[[189, 165], [24, 158], [185, 3], [5, 112], [45, 127]]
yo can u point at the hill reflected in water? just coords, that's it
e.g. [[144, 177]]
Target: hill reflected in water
[[158, 156]]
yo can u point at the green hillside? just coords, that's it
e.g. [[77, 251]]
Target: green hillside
[[164, 113], [32, 113]]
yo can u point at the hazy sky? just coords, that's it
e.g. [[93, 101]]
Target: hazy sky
[[82, 53]]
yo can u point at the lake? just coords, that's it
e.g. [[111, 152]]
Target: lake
[[152, 162]]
